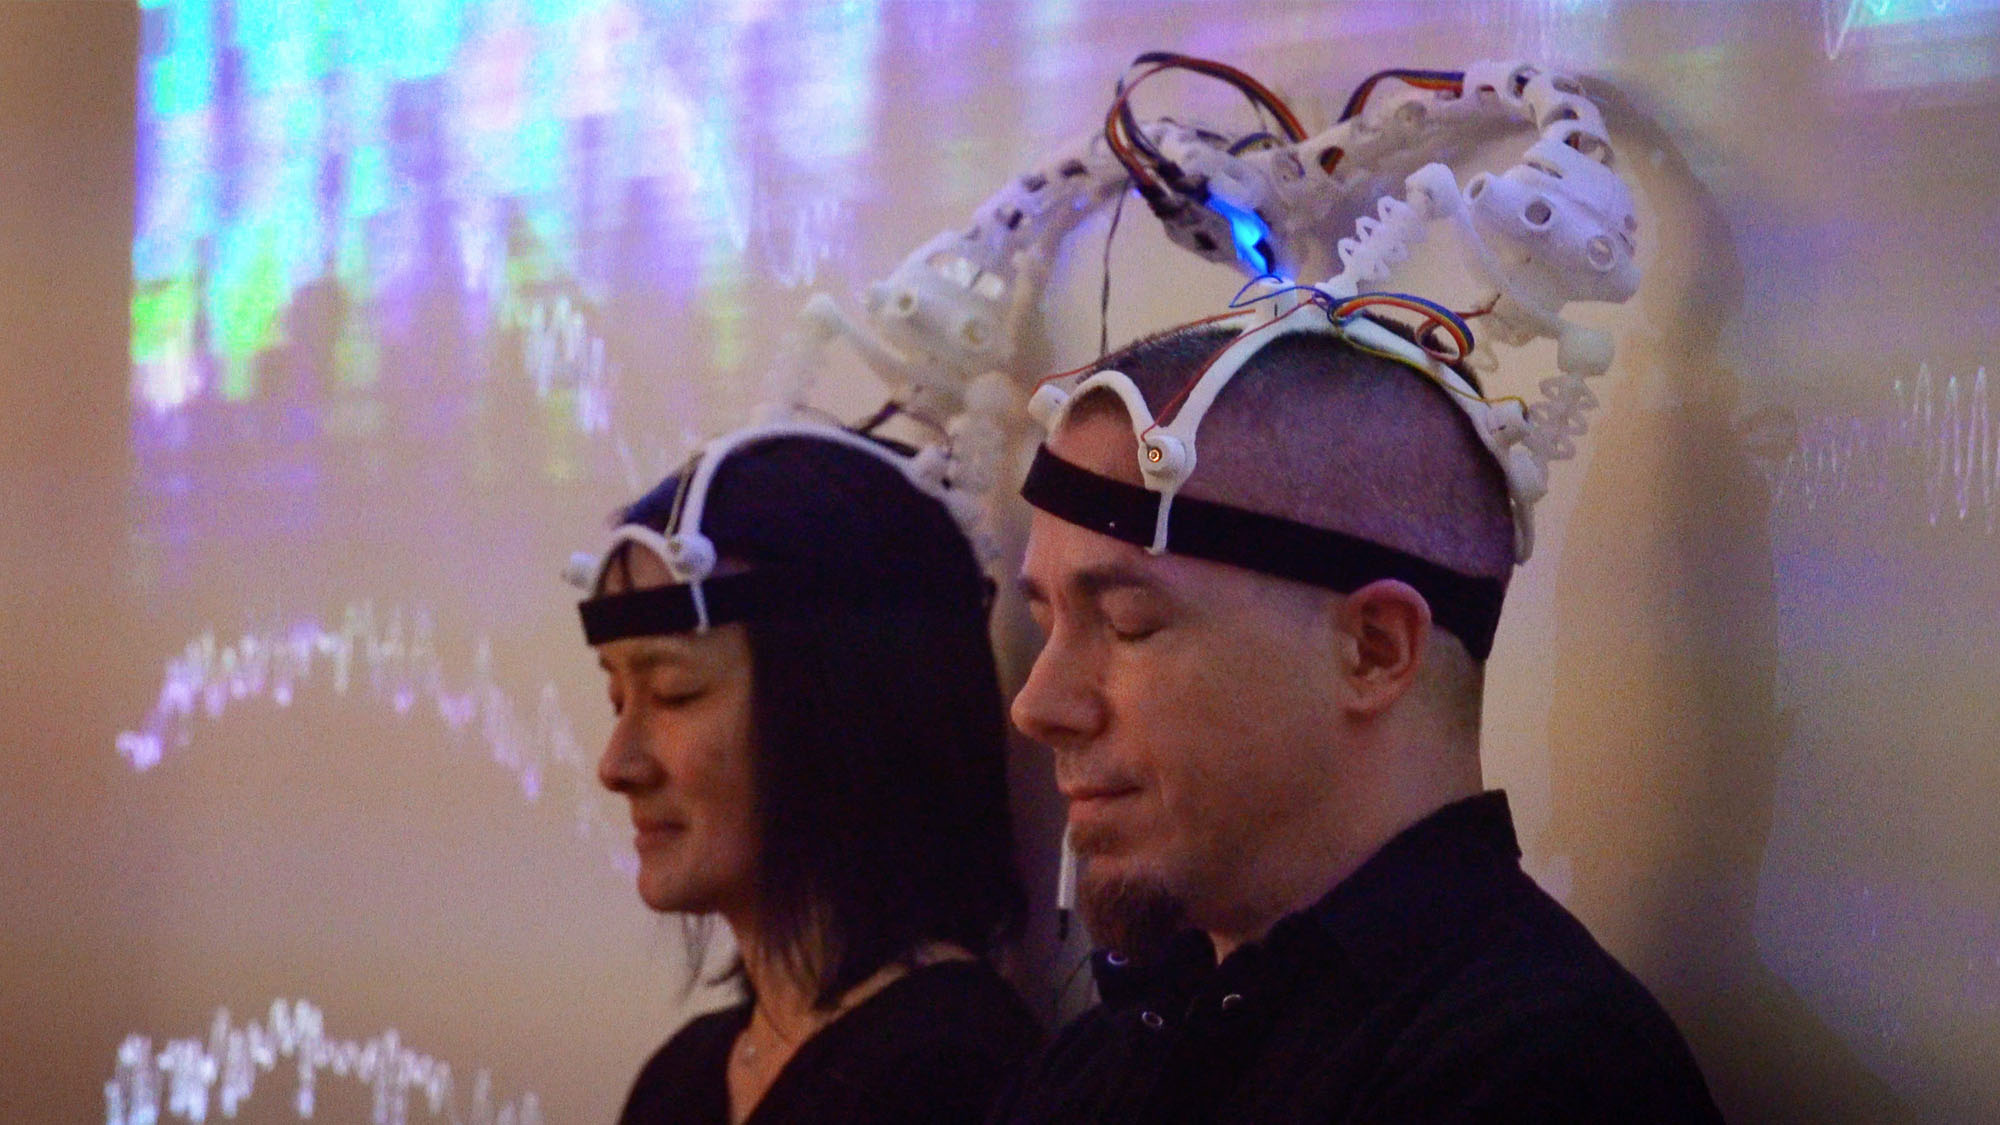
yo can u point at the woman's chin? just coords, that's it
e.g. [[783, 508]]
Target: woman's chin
[[670, 893]]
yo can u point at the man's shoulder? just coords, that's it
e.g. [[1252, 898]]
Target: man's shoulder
[[1531, 1014]]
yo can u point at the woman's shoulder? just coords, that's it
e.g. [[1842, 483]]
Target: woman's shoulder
[[686, 1080], [949, 1001], [936, 1044]]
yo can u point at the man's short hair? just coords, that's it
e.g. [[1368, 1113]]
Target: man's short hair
[[1319, 432]]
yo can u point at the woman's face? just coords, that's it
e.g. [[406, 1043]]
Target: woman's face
[[680, 753]]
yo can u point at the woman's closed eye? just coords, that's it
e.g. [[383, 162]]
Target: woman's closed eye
[[678, 697]]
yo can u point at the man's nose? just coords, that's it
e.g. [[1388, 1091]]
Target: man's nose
[[1059, 706]]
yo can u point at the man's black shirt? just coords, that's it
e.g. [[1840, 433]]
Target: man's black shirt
[[1437, 983]]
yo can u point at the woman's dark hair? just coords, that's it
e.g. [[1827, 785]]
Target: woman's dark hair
[[880, 759]]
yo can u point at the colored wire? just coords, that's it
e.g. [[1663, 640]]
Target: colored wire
[[1452, 80], [1173, 404], [1258, 138], [1435, 316], [1121, 139], [1432, 376], [1128, 141], [1237, 302], [1233, 314], [1259, 95]]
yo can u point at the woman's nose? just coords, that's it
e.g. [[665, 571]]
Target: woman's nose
[[625, 765]]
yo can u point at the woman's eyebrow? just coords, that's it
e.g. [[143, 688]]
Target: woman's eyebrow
[[650, 657]]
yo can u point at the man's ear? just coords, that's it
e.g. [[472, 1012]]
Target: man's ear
[[1383, 631]]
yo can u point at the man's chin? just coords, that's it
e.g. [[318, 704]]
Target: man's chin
[[1131, 912]]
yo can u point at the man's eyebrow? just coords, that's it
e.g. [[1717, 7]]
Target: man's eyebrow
[[1095, 581]]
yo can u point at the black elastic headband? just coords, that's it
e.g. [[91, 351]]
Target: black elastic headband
[[1463, 605], [666, 610]]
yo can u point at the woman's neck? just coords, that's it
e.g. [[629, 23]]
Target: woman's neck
[[786, 989], [785, 1012]]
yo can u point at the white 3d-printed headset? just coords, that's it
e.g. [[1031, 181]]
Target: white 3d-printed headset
[[1558, 226], [698, 599]]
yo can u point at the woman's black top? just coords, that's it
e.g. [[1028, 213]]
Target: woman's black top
[[936, 1044]]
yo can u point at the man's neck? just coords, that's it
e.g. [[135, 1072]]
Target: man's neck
[[1301, 868]]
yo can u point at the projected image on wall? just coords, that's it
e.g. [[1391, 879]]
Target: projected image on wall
[[417, 298]]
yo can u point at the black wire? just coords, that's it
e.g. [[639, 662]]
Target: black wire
[[869, 424], [1104, 293], [1130, 120], [1069, 982], [1258, 102], [1162, 169]]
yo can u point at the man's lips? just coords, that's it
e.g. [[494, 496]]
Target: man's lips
[[1098, 792]]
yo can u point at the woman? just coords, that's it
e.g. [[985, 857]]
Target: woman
[[810, 735]]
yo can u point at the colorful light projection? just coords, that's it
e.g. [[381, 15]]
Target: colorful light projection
[[334, 203], [1841, 19], [191, 1077], [1912, 44]]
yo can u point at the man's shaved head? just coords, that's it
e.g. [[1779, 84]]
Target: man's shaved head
[[1318, 432]]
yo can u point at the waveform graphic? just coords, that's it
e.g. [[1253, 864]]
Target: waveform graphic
[[1941, 441], [394, 657], [562, 354], [191, 1077]]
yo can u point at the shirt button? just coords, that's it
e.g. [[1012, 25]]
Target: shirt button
[[1232, 1001], [1152, 1019]]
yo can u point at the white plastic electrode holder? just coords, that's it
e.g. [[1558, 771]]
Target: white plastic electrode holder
[[1166, 459], [1046, 405], [581, 570], [690, 556]]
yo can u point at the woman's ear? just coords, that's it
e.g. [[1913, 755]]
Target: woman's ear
[[1381, 630]]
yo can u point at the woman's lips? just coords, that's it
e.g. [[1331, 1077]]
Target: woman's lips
[[649, 833]]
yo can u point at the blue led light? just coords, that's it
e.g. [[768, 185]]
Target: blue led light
[[1251, 235]]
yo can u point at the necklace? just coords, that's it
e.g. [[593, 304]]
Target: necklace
[[747, 1050]]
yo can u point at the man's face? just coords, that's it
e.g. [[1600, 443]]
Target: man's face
[[1188, 708]]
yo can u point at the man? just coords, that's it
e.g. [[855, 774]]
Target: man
[[1286, 778]]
